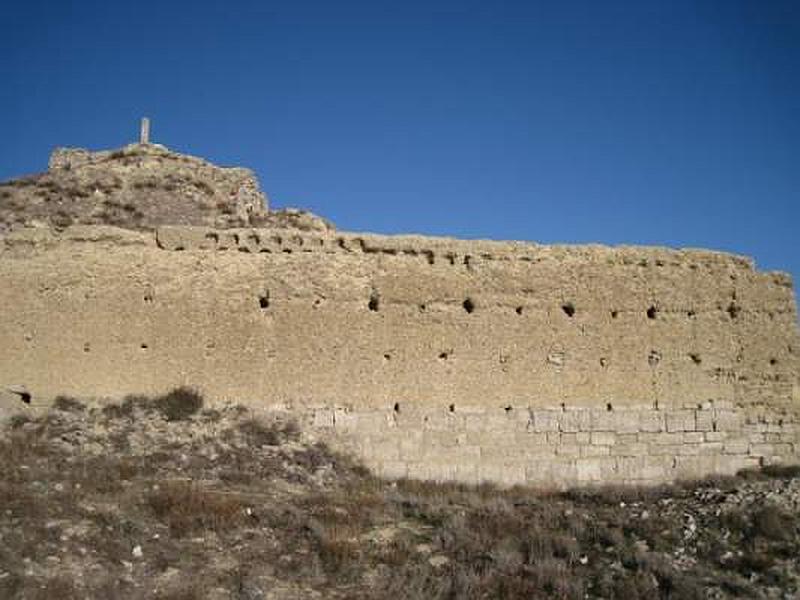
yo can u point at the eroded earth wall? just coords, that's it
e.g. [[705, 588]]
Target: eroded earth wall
[[428, 357]]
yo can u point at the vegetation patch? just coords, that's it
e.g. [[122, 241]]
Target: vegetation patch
[[162, 498]]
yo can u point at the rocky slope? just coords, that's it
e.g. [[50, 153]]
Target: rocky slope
[[141, 186], [163, 498]]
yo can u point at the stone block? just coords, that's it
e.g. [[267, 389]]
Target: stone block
[[440, 439], [694, 467], [590, 451], [546, 420], [554, 472], [680, 420], [568, 450], [603, 420], [393, 469], [762, 450], [323, 418], [693, 437], [618, 421], [474, 422], [707, 448], [627, 421], [568, 439], [410, 444], [635, 449], [595, 469], [651, 421], [504, 474], [665, 449], [502, 453], [704, 420], [603, 438], [630, 467], [538, 451], [530, 438], [576, 420], [783, 449], [374, 421], [662, 438], [727, 420], [736, 446], [385, 450], [344, 420], [657, 468], [441, 471], [449, 422], [468, 453]]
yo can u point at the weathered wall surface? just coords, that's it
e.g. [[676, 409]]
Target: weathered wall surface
[[430, 357]]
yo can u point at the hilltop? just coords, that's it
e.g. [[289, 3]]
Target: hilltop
[[141, 186]]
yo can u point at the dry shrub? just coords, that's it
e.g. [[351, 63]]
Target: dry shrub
[[179, 404], [68, 404], [772, 523], [673, 583], [191, 591], [782, 471], [127, 408], [186, 508], [258, 433], [338, 548]]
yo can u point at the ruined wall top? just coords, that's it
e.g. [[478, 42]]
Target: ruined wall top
[[141, 186]]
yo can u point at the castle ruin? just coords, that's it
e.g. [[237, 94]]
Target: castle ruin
[[427, 357]]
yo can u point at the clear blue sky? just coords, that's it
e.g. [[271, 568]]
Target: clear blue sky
[[672, 122]]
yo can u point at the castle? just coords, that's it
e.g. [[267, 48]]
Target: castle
[[427, 357]]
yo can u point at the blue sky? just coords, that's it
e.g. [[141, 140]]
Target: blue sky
[[671, 123]]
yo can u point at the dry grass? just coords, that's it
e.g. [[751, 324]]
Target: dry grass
[[187, 508], [249, 505]]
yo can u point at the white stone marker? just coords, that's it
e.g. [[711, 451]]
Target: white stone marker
[[144, 134]]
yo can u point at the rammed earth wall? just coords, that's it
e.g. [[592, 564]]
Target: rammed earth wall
[[429, 357]]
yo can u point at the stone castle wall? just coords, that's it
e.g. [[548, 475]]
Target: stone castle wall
[[428, 357]]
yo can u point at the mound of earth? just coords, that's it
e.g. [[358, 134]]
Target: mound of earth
[[164, 498], [141, 186]]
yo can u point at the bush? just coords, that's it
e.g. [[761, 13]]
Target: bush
[[782, 471], [187, 508], [179, 404], [772, 523], [68, 404], [127, 408], [260, 434]]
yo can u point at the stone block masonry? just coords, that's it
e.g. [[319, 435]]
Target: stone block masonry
[[428, 357], [542, 447]]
